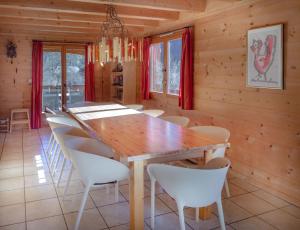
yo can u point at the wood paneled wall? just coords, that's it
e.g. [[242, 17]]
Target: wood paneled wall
[[264, 123], [15, 90]]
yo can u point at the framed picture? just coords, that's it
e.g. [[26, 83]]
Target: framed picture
[[265, 57]]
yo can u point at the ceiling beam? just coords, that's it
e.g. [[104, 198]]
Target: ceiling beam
[[57, 24], [172, 5], [64, 6], [46, 36], [49, 29], [70, 17]]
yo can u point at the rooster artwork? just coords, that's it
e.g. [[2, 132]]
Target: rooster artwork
[[264, 58]]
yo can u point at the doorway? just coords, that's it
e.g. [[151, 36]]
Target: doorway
[[63, 76]]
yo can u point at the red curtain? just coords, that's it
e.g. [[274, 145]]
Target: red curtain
[[145, 69], [37, 81], [186, 70], [89, 88]]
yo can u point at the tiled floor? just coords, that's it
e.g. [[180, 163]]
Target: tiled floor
[[30, 200]]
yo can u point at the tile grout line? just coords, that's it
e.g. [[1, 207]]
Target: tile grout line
[[265, 190], [24, 181], [257, 215], [99, 210], [253, 215]]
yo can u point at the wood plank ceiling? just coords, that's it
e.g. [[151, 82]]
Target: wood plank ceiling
[[80, 20]]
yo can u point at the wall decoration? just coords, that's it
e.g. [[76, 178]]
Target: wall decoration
[[11, 51], [265, 61]]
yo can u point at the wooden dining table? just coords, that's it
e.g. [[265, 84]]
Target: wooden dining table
[[139, 139]]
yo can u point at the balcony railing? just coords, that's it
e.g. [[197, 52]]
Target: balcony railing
[[52, 96]]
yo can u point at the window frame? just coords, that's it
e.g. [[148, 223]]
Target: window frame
[[165, 39]]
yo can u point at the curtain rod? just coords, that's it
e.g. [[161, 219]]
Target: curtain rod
[[169, 32]]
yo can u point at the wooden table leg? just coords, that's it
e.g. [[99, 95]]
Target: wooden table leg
[[136, 200], [205, 212]]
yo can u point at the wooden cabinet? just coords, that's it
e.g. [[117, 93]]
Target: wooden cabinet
[[123, 84]]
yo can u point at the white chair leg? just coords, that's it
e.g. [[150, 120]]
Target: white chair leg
[[53, 155], [181, 216], [221, 214], [82, 205], [197, 214], [56, 163], [50, 151], [49, 143], [227, 188], [117, 191], [68, 182], [152, 203], [61, 172]]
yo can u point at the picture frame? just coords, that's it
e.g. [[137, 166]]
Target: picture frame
[[265, 57]]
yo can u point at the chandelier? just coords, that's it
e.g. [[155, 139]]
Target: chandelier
[[112, 26]]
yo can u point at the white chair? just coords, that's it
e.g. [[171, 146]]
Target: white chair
[[52, 114], [219, 133], [137, 107], [153, 112], [178, 120], [94, 170], [62, 133], [87, 145], [54, 122], [189, 187]]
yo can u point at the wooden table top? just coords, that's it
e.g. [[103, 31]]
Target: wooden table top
[[137, 136]]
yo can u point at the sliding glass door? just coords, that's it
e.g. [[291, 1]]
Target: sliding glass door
[[52, 79], [75, 69], [63, 76]]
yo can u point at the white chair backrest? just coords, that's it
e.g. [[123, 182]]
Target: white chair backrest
[[137, 107], [179, 120], [57, 121], [64, 133], [215, 132], [154, 112], [94, 168], [190, 187]]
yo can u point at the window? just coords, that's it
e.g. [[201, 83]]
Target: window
[[156, 67], [165, 71], [174, 61]]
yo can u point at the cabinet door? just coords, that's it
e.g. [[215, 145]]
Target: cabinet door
[[129, 78]]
